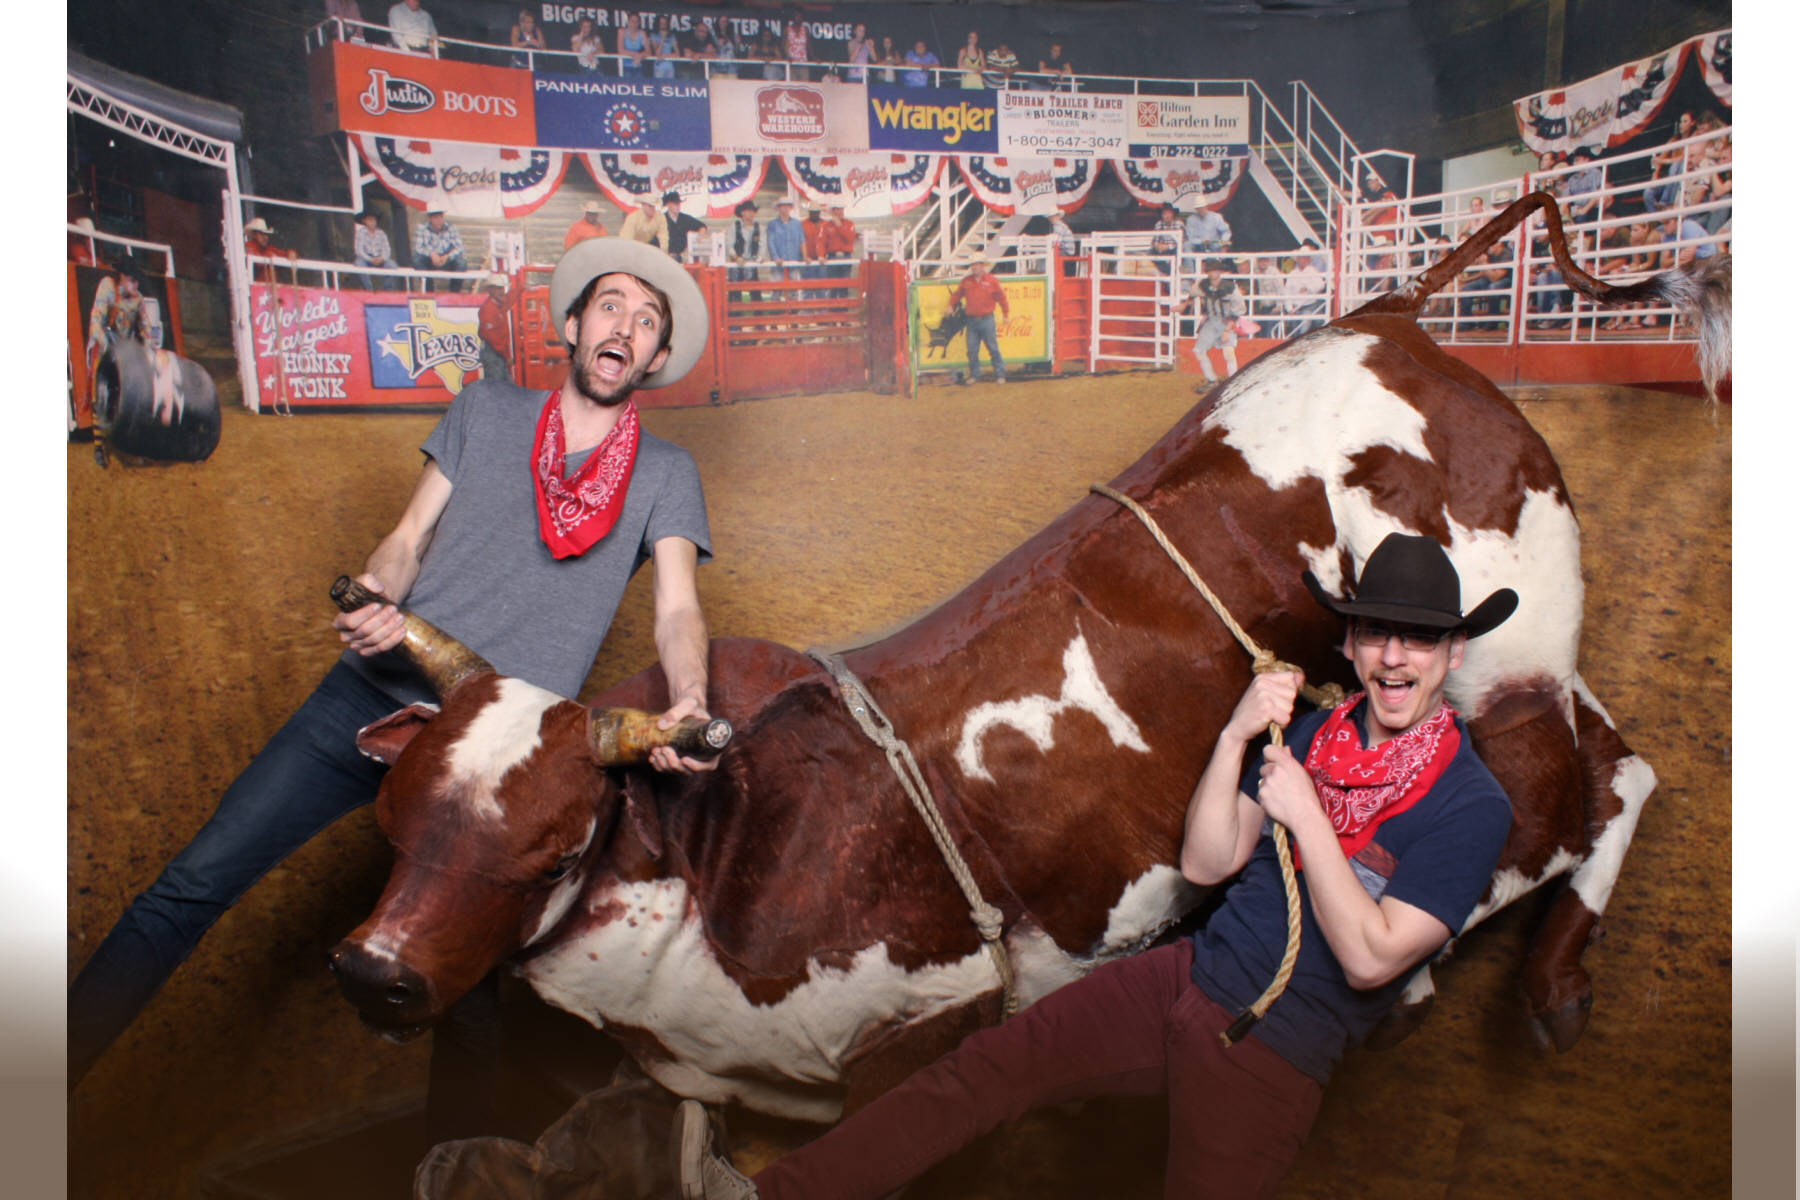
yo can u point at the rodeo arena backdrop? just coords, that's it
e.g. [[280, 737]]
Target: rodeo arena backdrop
[[1019, 383]]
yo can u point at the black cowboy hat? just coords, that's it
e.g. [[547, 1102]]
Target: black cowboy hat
[[1409, 580]]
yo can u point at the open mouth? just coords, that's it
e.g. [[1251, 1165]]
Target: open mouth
[[612, 361], [1393, 692]]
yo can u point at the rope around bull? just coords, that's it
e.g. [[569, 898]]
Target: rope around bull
[[1263, 660], [989, 921]]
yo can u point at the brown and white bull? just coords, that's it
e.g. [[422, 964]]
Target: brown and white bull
[[783, 933]]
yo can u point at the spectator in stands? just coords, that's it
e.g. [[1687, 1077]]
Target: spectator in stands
[[1060, 76], [437, 245], [978, 295], [1206, 231], [665, 49], [350, 14], [970, 60], [1719, 219], [1307, 288], [1474, 217], [1218, 303], [888, 55], [732, 51], [645, 224], [1067, 244], [859, 54], [633, 46], [1689, 230], [373, 250], [681, 226], [586, 226], [813, 245], [920, 63], [840, 241], [257, 244], [1168, 237], [746, 243], [768, 51], [1666, 165], [587, 45], [704, 48], [787, 241], [1493, 274], [526, 37], [1546, 293], [412, 28], [1383, 220], [793, 37], [1583, 187], [1001, 63], [495, 328]]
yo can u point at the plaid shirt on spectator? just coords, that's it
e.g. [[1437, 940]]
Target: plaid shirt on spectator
[[372, 244], [427, 240]]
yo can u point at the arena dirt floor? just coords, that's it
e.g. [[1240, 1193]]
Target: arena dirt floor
[[198, 620]]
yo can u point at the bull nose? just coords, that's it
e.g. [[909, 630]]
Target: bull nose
[[384, 989]]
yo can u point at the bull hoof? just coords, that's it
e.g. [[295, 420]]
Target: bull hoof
[[1562, 1027], [1399, 1024]]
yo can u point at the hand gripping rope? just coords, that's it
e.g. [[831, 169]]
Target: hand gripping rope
[[875, 725], [1328, 696]]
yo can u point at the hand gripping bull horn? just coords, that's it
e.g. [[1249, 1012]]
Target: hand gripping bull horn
[[440, 658], [621, 736]]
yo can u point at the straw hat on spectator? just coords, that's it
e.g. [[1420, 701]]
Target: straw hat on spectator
[[257, 225], [496, 279]]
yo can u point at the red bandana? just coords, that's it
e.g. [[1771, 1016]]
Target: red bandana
[[575, 513], [1360, 788]]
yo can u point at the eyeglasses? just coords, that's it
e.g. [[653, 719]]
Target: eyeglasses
[[1373, 633]]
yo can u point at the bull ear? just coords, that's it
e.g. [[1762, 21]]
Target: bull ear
[[383, 740], [640, 810]]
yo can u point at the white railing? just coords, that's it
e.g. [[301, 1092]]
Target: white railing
[[130, 244]]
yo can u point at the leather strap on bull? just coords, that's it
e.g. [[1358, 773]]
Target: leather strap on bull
[[875, 725], [1328, 696]]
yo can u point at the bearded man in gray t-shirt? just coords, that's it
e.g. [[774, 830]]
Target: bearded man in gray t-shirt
[[526, 569]]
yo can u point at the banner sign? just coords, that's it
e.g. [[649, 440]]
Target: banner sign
[[319, 348], [754, 117], [711, 185], [1034, 186], [1187, 183], [1057, 123], [866, 185], [386, 91], [932, 120], [1713, 52], [1161, 126], [467, 180], [589, 112], [1023, 332], [1612, 107]]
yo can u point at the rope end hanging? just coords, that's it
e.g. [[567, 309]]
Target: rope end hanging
[[1234, 1032]]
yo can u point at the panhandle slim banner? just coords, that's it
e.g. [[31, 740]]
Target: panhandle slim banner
[[335, 349], [750, 117], [1023, 331], [588, 112], [1058, 123], [385, 91], [1174, 126], [932, 120]]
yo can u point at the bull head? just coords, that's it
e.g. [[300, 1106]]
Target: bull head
[[498, 807]]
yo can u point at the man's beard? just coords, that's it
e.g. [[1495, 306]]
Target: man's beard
[[605, 395]]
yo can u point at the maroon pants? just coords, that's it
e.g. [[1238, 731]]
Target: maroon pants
[[1136, 1027]]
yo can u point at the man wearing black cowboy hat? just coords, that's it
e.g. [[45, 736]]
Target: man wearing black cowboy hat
[[532, 512], [1396, 826]]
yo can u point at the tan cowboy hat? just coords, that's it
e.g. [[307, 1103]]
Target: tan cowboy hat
[[495, 280], [606, 255], [257, 225], [591, 206]]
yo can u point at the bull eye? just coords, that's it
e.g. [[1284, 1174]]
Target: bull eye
[[563, 866]]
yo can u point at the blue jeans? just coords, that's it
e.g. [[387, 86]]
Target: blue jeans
[[978, 333], [308, 776]]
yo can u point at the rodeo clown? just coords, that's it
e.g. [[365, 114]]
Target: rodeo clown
[[1397, 827], [531, 514]]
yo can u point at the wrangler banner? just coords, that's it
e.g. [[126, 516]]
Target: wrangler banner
[[1023, 331], [386, 91], [932, 120], [337, 349]]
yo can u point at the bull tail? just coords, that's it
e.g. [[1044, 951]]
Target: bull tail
[[1702, 288]]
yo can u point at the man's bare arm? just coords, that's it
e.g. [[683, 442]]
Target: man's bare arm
[[394, 565], [681, 644]]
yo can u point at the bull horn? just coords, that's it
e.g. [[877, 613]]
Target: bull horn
[[624, 736], [440, 658]]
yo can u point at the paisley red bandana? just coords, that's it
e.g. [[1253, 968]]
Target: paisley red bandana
[[1359, 787], [575, 513]]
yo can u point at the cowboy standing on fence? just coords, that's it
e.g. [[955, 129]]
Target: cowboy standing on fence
[[1398, 827], [1219, 304]]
